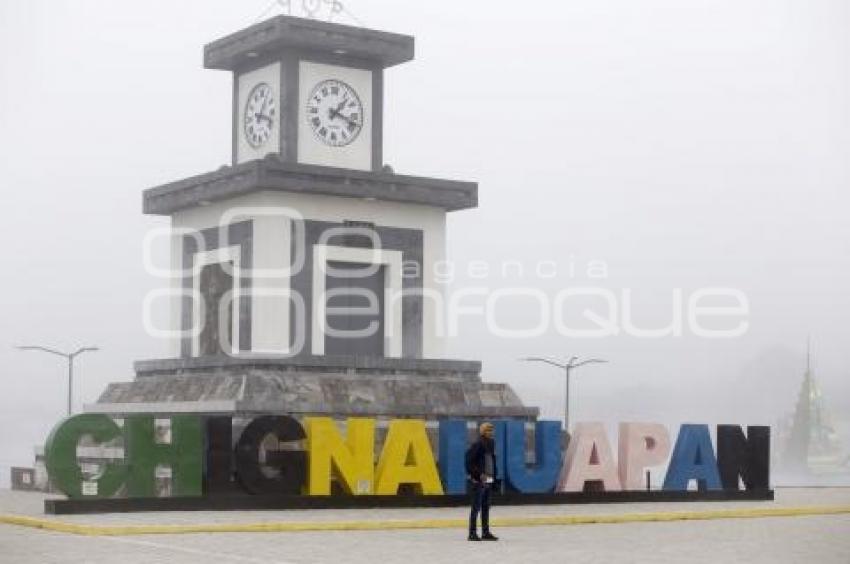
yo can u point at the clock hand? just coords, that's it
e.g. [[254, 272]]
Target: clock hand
[[263, 116], [335, 113], [350, 121], [262, 111]]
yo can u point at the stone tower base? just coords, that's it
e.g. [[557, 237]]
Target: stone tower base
[[330, 386]]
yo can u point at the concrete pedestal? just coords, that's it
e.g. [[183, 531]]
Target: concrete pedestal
[[327, 385]]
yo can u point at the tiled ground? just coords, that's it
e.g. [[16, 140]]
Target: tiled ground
[[821, 539]]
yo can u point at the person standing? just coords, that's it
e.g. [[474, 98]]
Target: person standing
[[481, 469]]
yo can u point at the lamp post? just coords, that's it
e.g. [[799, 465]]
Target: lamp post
[[567, 367], [69, 356]]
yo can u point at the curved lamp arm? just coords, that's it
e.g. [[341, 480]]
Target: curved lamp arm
[[546, 360]]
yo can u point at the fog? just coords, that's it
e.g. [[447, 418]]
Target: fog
[[684, 145]]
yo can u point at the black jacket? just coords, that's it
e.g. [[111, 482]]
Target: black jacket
[[475, 458]]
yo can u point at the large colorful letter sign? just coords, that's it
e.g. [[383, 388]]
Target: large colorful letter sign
[[640, 445], [184, 454], [693, 459], [218, 475], [200, 459], [589, 462], [350, 459], [284, 470], [452, 454], [747, 457], [407, 459], [547, 453], [61, 456]]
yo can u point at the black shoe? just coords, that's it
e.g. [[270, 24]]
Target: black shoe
[[489, 536], [473, 536]]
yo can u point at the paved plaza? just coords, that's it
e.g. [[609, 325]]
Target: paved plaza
[[813, 538]]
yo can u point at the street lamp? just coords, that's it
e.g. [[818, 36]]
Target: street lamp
[[69, 356], [566, 367]]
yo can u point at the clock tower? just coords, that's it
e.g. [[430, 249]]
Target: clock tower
[[304, 272]]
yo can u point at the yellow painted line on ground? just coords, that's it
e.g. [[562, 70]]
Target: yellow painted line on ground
[[385, 525]]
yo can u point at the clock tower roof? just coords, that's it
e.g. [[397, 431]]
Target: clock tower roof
[[273, 36]]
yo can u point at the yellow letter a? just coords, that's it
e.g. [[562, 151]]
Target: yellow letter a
[[407, 458]]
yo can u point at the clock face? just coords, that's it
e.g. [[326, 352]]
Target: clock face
[[258, 120], [335, 113]]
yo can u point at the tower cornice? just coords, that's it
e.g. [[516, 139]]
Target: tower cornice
[[276, 35], [272, 174]]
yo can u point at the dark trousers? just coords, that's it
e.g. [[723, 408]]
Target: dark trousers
[[480, 503]]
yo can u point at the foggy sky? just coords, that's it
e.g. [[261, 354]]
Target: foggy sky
[[686, 144]]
